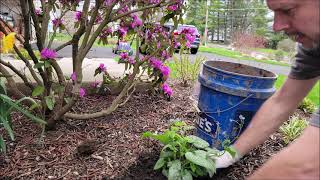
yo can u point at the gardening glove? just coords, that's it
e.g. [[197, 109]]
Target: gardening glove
[[226, 158]]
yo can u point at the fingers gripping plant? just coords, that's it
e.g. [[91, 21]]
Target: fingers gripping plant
[[92, 22]]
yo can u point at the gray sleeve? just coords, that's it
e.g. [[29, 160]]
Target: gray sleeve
[[315, 120], [306, 65]]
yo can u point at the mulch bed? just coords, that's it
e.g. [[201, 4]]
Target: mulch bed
[[110, 147]]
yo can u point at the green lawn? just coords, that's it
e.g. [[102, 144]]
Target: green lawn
[[314, 94], [237, 55]]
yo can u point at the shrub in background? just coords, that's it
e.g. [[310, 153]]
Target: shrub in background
[[307, 106], [292, 129], [287, 45], [186, 70]]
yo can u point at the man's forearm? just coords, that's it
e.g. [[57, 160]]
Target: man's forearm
[[273, 113]]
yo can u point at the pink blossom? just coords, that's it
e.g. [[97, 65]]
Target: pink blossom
[[74, 76], [102, 67], [166, 89], [190, 38], [123, 55], [188, 44], [177, 44], [38, 11], [123, 31], [158, 45], [78, 15], [57, 22], [48, 54], [131, 60], [98, 19], [123, 10], [172, 7], [165, 70], [94, 84], [105, 32], [165, 54], [156, 63], [82, 92]]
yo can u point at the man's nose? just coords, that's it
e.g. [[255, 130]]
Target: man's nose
[[280, 22]]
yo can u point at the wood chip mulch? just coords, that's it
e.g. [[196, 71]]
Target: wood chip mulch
[[110, 147]]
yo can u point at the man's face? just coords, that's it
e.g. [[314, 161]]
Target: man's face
[[300, 19]]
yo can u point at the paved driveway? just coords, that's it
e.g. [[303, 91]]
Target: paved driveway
[[105, 52]]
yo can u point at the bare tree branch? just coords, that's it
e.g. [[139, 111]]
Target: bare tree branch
[[63, 45], [15, 70]]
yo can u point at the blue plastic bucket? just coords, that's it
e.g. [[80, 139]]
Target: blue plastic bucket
[[230, 95]]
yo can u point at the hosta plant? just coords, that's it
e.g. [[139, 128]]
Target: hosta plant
[[183, 156]]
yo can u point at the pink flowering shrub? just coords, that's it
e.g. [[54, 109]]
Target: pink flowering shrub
[[95, 21]]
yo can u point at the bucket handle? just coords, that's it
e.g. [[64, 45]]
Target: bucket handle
[[205, 112]]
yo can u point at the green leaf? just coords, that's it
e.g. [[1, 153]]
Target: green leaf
[[165, 172], [49, 102], [17, 107], [47, 64], [199, 158], [37, 91], [159, 164], [34, 106], [163, 138], [2, 145], [166, 154], [198, 142], [38, 65], [186, 175], [7, 127], [231, 150], [3, 89], [174, 170]]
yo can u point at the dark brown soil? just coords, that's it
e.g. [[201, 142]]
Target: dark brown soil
[[240, 69], [116, 149]]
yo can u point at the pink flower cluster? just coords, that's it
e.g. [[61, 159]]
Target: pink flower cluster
[[123, 31], [57, 22], [125, 57], [78, 16], [82, 92], [136, 21], [102, 67], [173, 7], [105, 32], [38, 12], [73, 76], [166, 89], [157, 64], [48, 54]]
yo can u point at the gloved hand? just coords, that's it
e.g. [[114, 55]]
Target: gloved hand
[[224, 159]]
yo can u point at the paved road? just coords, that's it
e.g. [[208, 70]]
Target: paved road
[[105, 52]]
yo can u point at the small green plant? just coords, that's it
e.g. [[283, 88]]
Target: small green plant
[[183, 156], [307, 106], [7, 105], [293, 128], [186, 70]]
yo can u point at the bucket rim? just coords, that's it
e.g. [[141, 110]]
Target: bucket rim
[[238, 74]]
